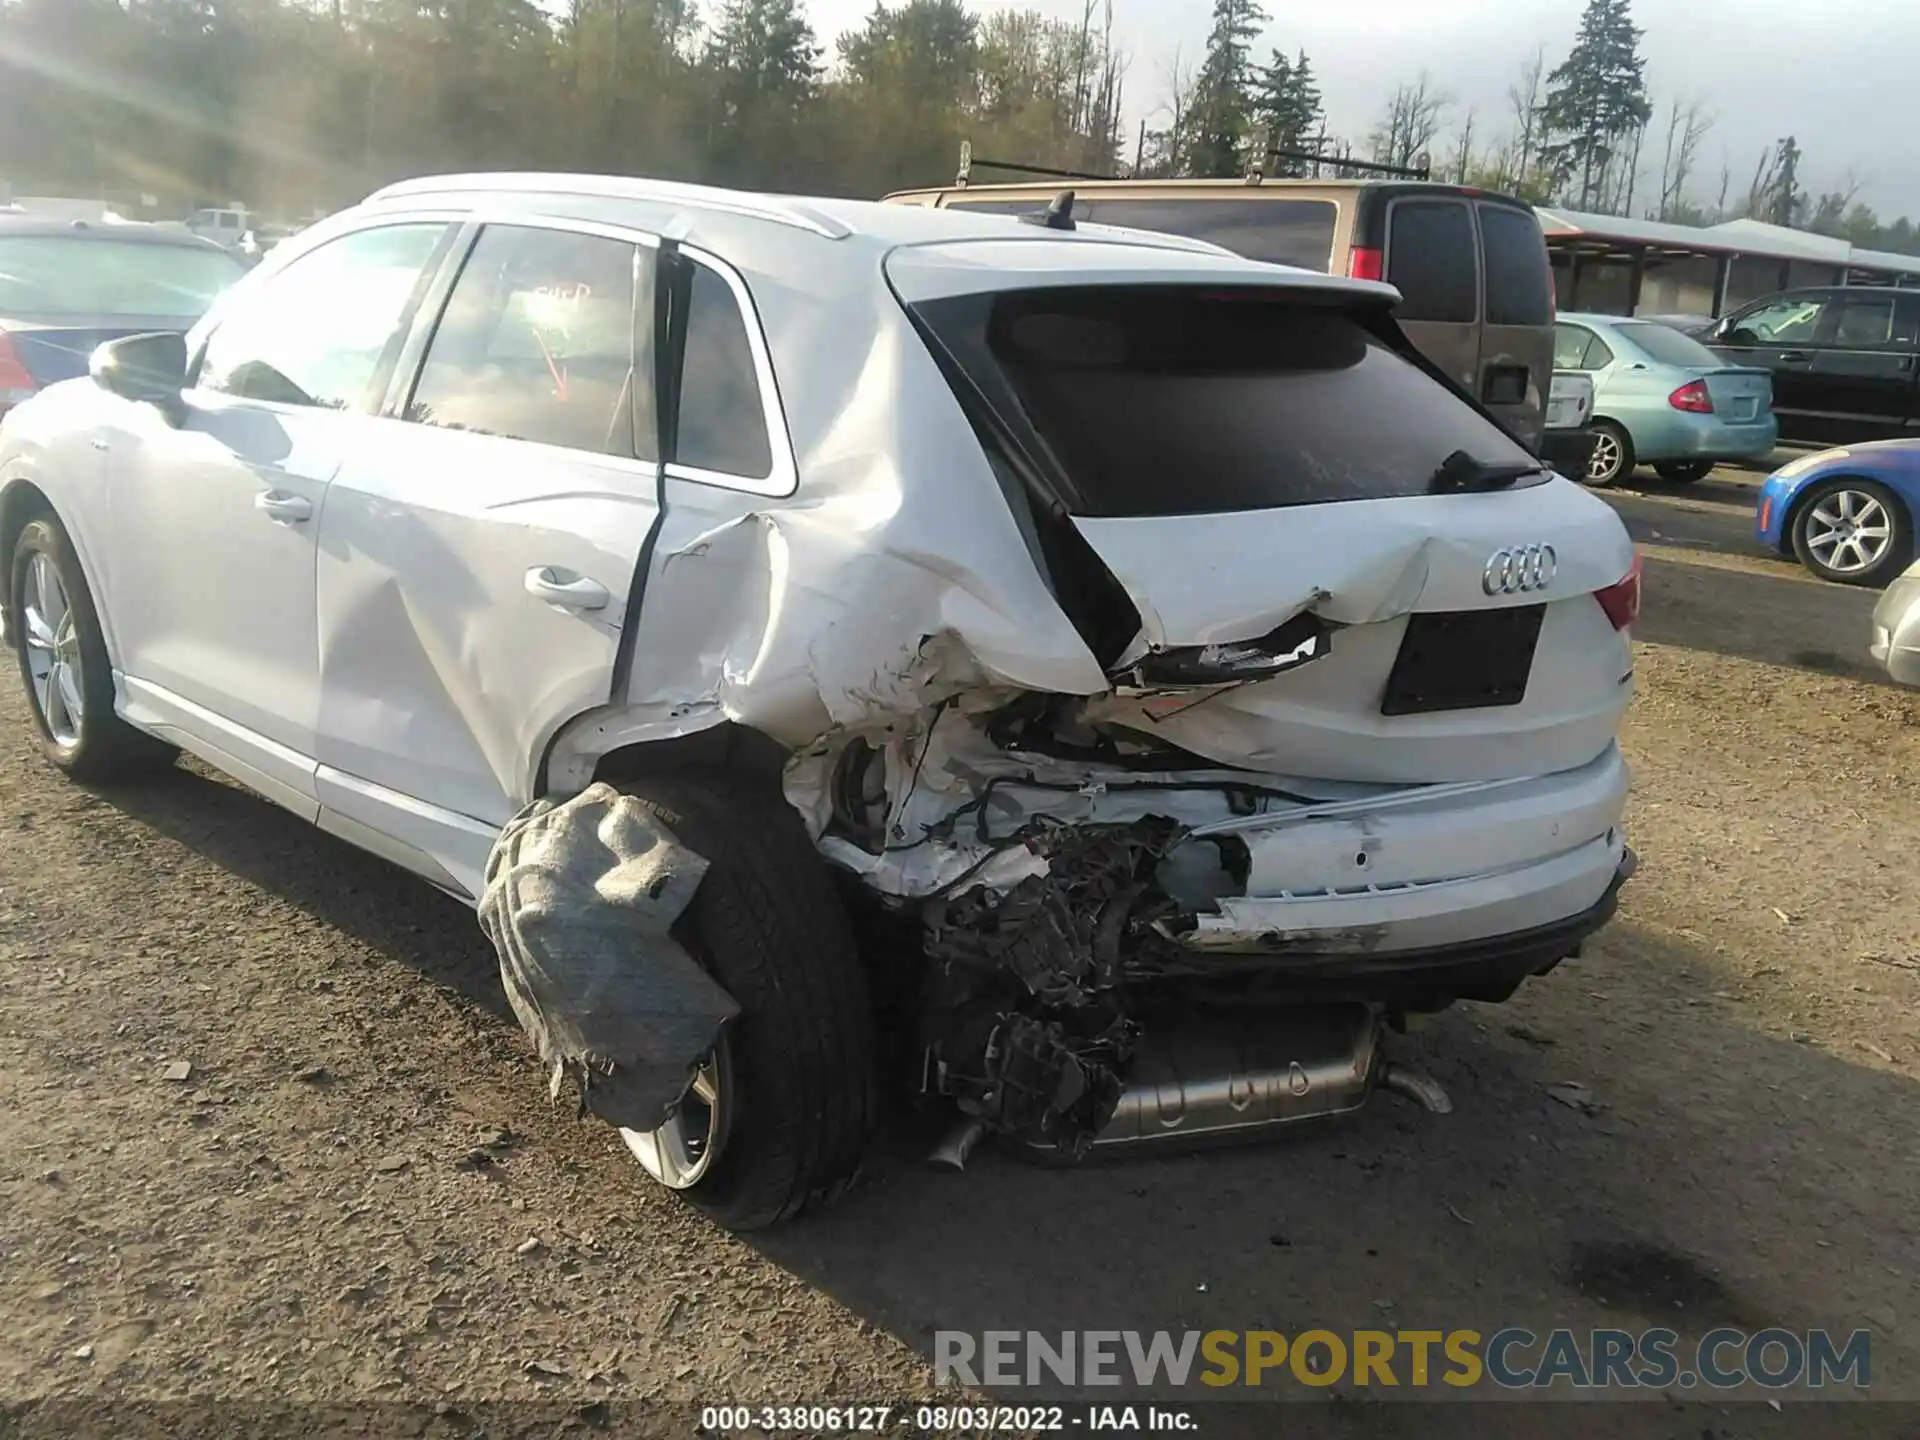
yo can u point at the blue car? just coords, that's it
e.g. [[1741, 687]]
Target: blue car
[[1847, 513], [1663, 399]]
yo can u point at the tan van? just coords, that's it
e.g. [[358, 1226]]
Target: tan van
[[1471, 265]]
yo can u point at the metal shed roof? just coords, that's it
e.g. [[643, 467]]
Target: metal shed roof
[[1731, 237]]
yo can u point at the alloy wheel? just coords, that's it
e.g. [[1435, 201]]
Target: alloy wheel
[[1606, 460], [1849, 531], [53, 652], [681, 1152]]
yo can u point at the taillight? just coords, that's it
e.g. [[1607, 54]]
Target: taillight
[[1693, 398], [1366, 262], [15, 383], [1621, 600]]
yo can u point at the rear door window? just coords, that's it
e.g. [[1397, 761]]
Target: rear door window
[[1865, 323], [1279, 232], [1570, 347], [1178, 401], [537, 343], [1519, 277], [1431, 260]]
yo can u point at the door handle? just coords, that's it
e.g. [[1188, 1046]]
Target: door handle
[[579, 593], [1795, 357], [282, 508]]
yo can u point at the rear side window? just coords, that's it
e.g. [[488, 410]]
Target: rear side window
[[1177, 401], [1279, 232], [723, 418], [1430, 260], [1519, 277]]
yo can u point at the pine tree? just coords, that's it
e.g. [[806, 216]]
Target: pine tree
[[1595, 98], [765, 55], [1287, 105], [1222, 110]]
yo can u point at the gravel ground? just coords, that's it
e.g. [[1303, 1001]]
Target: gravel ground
[[359, 1191]]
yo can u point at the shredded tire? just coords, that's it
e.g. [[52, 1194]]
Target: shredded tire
[[768, 924]]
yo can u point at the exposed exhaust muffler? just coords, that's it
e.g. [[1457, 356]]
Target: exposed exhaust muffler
[[1232, 1076]]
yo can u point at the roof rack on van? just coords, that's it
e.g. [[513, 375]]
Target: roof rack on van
[[1343, 165], [968, 161]]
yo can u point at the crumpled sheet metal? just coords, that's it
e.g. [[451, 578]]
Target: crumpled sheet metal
[[580, 898]]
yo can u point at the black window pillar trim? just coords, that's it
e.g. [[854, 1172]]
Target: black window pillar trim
[[664, 326], [429, 301]]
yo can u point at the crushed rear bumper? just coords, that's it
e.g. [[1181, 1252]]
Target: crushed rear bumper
[[1489, 969]]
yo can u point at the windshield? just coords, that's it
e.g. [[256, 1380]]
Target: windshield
[[1670, 347], [1180, 401], [60, 276]]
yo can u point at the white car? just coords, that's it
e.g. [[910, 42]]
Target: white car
[[1060, 643]]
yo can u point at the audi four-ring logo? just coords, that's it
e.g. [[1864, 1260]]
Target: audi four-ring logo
[[1519, 570]]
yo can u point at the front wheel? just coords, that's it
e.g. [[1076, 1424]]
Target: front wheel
[[779, 1115], [1683, 472], [1853, 532], [64, 665], [1612, 455]]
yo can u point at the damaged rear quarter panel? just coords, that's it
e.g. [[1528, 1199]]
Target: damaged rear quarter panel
[[894, 577]]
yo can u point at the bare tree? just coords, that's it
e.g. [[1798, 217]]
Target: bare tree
[[1165, 146], [1624, 166], [1524, 98], [1407, 127], [1687, 126], [1462, 162]]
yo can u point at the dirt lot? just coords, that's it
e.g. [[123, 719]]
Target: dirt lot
[[360, 1191]]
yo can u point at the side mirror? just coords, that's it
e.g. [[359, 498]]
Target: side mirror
[[147, 369]]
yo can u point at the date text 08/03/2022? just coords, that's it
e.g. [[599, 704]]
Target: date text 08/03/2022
[[923, 1419]]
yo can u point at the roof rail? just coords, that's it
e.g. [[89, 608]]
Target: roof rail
[[623, 187]]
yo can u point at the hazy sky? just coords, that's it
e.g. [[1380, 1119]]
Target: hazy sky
[[1836, 74]]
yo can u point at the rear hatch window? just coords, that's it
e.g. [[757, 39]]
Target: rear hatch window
[[1519, 275], [1670, 347], [1185, 401], [1430, 260]]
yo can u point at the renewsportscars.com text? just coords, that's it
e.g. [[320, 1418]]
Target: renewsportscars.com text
[[1513, 1358]]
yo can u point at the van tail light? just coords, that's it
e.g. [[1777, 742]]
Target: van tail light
[[15, 383], [1693, 398], [1621, 600], [1366, 262]]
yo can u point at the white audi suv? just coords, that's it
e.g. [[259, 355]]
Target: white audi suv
[[1087, 679]]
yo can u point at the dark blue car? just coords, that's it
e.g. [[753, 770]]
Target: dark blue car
[[67, 286], [1846, 513]]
